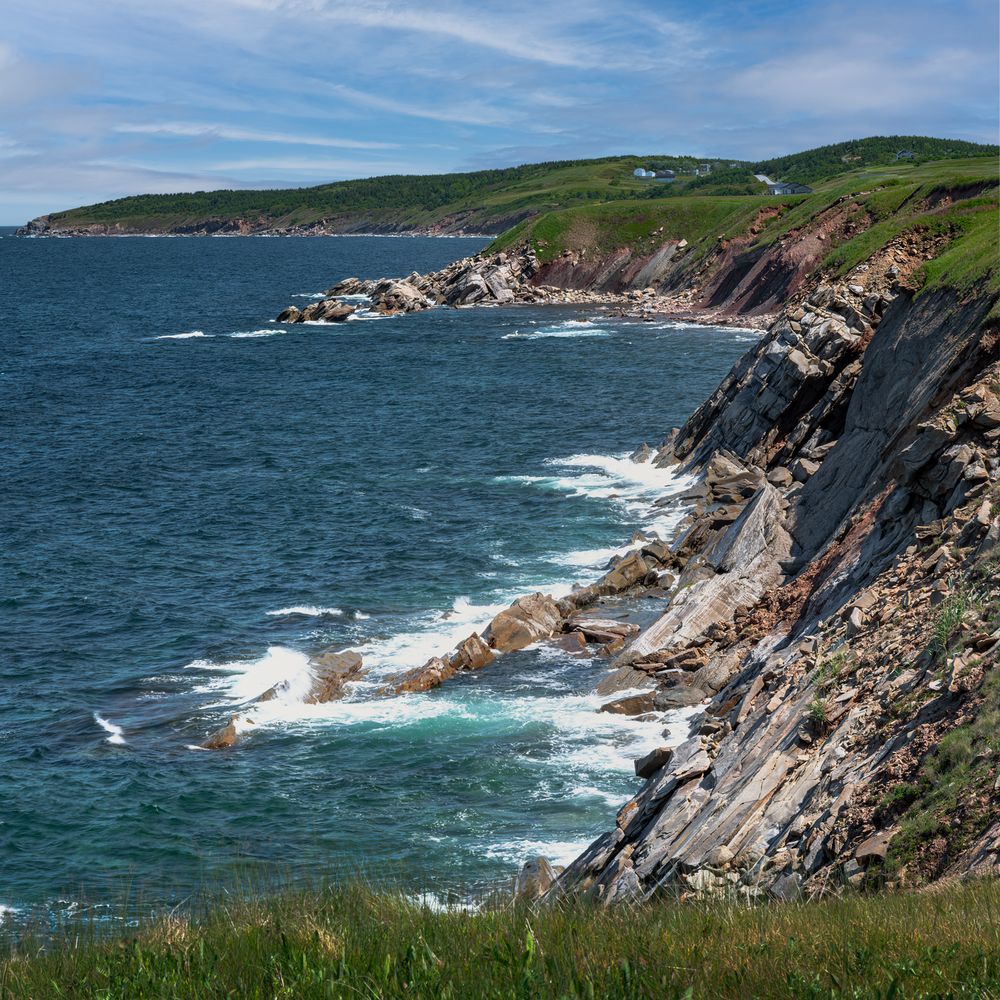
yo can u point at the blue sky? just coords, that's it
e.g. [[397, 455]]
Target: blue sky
[[100, 98]]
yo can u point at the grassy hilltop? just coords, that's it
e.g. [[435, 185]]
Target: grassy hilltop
[[491, 200]]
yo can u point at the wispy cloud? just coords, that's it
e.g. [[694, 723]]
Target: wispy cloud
[[100, 100], [194, 130]]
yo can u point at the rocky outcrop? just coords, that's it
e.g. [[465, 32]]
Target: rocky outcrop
[[329, 673], [836, 612]]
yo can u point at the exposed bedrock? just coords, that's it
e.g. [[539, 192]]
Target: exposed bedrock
[[836, 611]]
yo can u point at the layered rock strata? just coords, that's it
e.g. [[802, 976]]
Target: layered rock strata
[[837, 611]]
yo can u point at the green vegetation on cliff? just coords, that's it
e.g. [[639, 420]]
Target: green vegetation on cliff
[[350, 943], [954, 203]]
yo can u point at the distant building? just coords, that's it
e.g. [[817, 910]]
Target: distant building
[[703, 170], [905, 154], [666, 175], [642, 172], [764, 179], [787, 187]]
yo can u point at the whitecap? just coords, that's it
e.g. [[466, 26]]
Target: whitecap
[[117, 734], [564, 331], [307, 611], [183, 336], [243, 334]]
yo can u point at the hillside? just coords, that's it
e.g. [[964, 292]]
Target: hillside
[[746, 255], [485, 201]]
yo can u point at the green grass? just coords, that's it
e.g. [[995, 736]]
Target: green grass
[[351, 943], [640, 224]]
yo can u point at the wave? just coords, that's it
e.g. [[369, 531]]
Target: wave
[[117, 734], [616, 478], [570, 328], [254, 333], [307, 611], [183, 336], [558, 852]]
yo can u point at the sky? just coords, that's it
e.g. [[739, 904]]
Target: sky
[[103, 98]]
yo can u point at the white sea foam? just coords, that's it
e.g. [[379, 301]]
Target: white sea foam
[[243, 334], [182, 336], [245, 680], [589, 558], [558, 852], [433, 634], [308, 611], [7, 912], [570, 328], [117, 734]]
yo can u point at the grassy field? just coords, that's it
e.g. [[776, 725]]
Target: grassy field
[[352, 942]]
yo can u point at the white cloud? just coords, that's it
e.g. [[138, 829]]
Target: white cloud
[[204, 131]]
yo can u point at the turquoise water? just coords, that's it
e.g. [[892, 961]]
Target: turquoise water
[[196, 498]]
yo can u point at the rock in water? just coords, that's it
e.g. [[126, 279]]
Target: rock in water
[[434, 672], [472, 654], [526, 621], [223, 738]]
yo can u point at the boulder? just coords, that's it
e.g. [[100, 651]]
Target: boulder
[[223, 738], [331, 672], [327, 311], [470, 288], [527, 620], [534, 879], [803, 468], [682, 696], [572, 642], [623, 679], [601, 630], [398, 297], [635, 704], [290, 315], [629, 572], [875, 847], [653, 761], [434, 672], [472, 654]]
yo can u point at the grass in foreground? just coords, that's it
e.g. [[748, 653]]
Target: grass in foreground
[[352, 942]]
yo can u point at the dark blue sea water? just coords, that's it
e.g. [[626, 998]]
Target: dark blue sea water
[[195, 498]]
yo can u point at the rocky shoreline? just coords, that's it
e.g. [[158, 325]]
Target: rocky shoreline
[[44, 227], [503, 279], [832, 599]]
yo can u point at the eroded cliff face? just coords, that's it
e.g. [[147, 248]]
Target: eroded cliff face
[[837, 611]]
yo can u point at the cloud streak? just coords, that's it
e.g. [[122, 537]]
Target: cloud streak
[[101, 100]]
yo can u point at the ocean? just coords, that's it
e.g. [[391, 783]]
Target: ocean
[[196, 498]]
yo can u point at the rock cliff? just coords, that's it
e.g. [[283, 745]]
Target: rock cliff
[[837, 611]]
